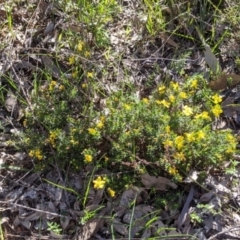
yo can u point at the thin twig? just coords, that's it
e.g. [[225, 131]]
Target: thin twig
[[33, 209], [224, 231]]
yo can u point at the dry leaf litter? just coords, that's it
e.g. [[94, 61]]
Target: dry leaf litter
[[29, 200]]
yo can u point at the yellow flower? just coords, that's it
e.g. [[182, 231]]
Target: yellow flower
[[230, 150], [80, 46], [36, 153], [167, 129], [145, 100], [87, 54], [127, 133], [106, 158], [165, 103], [52, 137], [204, 115], [161, 89], [217, 99], [74, 142], [171, 98], [88, 158], [200, 135], [52, 85], [175, 86], [31, 153], [187, 111], [84, 85], [99, 182], [232, 143], [92, 131], [167, 143], [231, 138], [179, 140], [61, 87], [194, 83], [127, 107], [53, 134], [183, 95], [180, 156], [90, 75], [190, 137], [217, 110], [71, 60], [172, 171], [74, 74], [73, 130], [111, 192], [100, 124]]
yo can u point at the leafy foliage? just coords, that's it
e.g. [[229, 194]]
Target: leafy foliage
[[170, 129]]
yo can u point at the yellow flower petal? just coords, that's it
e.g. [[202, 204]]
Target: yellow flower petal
[[127, 107], [171, 98], [90, 75], [200, 135], [71, 60], [88, 158], [179, 141], [179, 156], [92, 131], [172, 171], [183, 95], [99, 183], [111, 192], [217, 110], [80, 46], [161, 89], [204, 115], [174, 85], [100, 124], [190, 137], [167, 143], [194, 83], [145, 100], [167, 129], [217, 99], [187, 111]]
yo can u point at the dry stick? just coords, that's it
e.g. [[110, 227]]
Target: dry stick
[[227, 230], [33, 209], [167, 59]]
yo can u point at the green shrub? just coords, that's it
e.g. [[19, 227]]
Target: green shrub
[[170, 129]]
